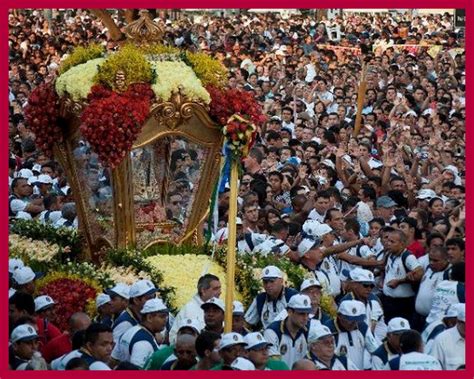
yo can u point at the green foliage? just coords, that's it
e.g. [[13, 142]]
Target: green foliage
[[37, 231], [129, 59], [82, 54]]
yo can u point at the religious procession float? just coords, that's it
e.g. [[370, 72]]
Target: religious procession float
[[121, 124]]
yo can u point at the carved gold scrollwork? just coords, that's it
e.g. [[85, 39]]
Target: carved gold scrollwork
[[144, 30], [174, 112], [69, 107]]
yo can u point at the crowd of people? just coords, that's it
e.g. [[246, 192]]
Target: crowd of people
[[376, 215]]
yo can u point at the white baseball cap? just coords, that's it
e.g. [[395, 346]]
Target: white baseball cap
[[300, 303], [237, 308], [329, 163], [25, 173], [242, 364], [318, 331], [44, 179], [190, 323], [120, 289], [102, 299], [321, 230], [361, 275], [306, 245], [310, 283], [216, 302], [271, 272], [255, 341], [398, 325], [231, 339], [142, 287], [23, 332], [14, 263], [451, 311], [25, 274], [154, 305], [426, 194], [352, 310], [43, 302]]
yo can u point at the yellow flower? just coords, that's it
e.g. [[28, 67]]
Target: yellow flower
[[29, 249], [183, 271]]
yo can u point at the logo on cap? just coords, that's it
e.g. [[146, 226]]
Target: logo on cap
[[354, 311], [267, 271], [311, 281], [283, 349], [48, 298], [259, 337], [402, 323], [236, 338], [30, 329], [148, 284], [189, 321], [305, 301]]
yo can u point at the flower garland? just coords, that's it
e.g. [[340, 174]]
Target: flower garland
[[41, 115], [78, 80], [73, 294], [29, 250], [209, 70], [112, 121]]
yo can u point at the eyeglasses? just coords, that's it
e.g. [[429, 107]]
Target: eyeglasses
[[368, 285]]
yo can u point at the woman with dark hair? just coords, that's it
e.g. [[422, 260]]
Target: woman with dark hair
[[409, 226]]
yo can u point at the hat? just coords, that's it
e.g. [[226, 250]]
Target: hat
[[120, 289], [25, 173], [361, 275], [271, 272], [426, 194], [451, 311], [23, 332], [14, 263], [238, 221], [255, 341], [11, 292], [102, 299], [154, 305], [329, 163], [310, 283], [190, 323], [231, 339], [461, 308], [215, 302], [142, 287], [44, 179], [306, 245], [385, 202], [398, 325], [32, 180], [43, 302], [242, 364], [352, 310], [237, 308], [318, 331], [275, 118], [300, 303], [25, 275]]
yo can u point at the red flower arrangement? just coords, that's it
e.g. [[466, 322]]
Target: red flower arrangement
[[227, 102], [112, 121], [239, 112], [72, 295], [41, 115]]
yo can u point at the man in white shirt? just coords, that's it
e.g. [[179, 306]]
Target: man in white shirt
[[450, 346], [401, 270], [289, 337], [98, 345], [138, 343], [208, 287], [412, 358]]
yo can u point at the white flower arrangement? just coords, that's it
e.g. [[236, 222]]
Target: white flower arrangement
[[36, 250], [170, 76], [78, 80], [127, 275]]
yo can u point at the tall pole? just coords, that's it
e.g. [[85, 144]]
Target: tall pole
[[232, 240], [360, 100]]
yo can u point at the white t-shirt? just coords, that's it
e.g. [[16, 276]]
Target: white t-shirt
[[450, 348], [395, 269], [425, 295], [414, 361]]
